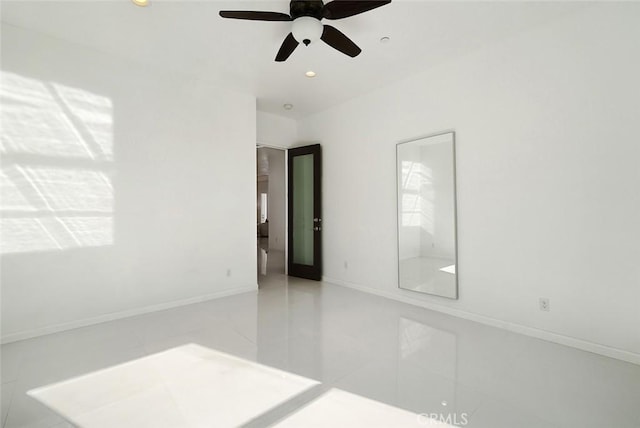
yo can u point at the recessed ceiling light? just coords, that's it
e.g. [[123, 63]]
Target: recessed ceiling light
[[288, 106], [385, 39], [142, 3], [310, 73]]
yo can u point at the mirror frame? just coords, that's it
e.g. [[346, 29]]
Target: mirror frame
[[455, 210]]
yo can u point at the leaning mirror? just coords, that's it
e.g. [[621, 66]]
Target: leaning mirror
[[427, 253]]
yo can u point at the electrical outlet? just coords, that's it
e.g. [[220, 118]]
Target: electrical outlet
[[228, 272], [544, 304]]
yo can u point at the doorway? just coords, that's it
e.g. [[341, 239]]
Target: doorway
[[271, 205]]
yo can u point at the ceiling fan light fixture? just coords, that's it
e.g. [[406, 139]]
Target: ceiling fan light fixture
[[306, 30], [310, 73], [306, 27], [141, 3]]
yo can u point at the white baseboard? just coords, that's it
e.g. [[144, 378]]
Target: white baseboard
[[584, 345], [28, 334]]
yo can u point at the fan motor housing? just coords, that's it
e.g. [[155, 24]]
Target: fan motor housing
[[312, 8]]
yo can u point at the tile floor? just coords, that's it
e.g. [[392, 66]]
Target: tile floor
[[395, 353]]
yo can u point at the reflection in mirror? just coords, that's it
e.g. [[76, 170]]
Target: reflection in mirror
[[427, 215]]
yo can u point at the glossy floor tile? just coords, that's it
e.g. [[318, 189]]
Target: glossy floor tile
[[186, 386], [401, 355], [340, 408]]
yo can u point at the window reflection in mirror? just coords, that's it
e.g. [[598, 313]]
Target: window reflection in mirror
[[427, 258]]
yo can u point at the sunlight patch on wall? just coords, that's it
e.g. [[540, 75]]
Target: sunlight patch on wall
[[27, 234], [71, 189], [95, 113], [12, 197], [57, 166]]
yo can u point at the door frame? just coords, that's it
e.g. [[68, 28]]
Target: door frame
[[311, 272], [286, 149]]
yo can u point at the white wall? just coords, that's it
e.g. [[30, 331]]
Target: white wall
[[277, 199], [274, 130], [548, 178], [116, 178]]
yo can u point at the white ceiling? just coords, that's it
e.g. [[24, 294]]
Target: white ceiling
[[189, 37]]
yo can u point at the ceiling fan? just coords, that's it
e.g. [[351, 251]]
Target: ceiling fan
[[307, 28]]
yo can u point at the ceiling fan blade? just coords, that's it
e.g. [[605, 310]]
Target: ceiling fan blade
[[338, 9], [334, 38], [255, 16], [288, 46]]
